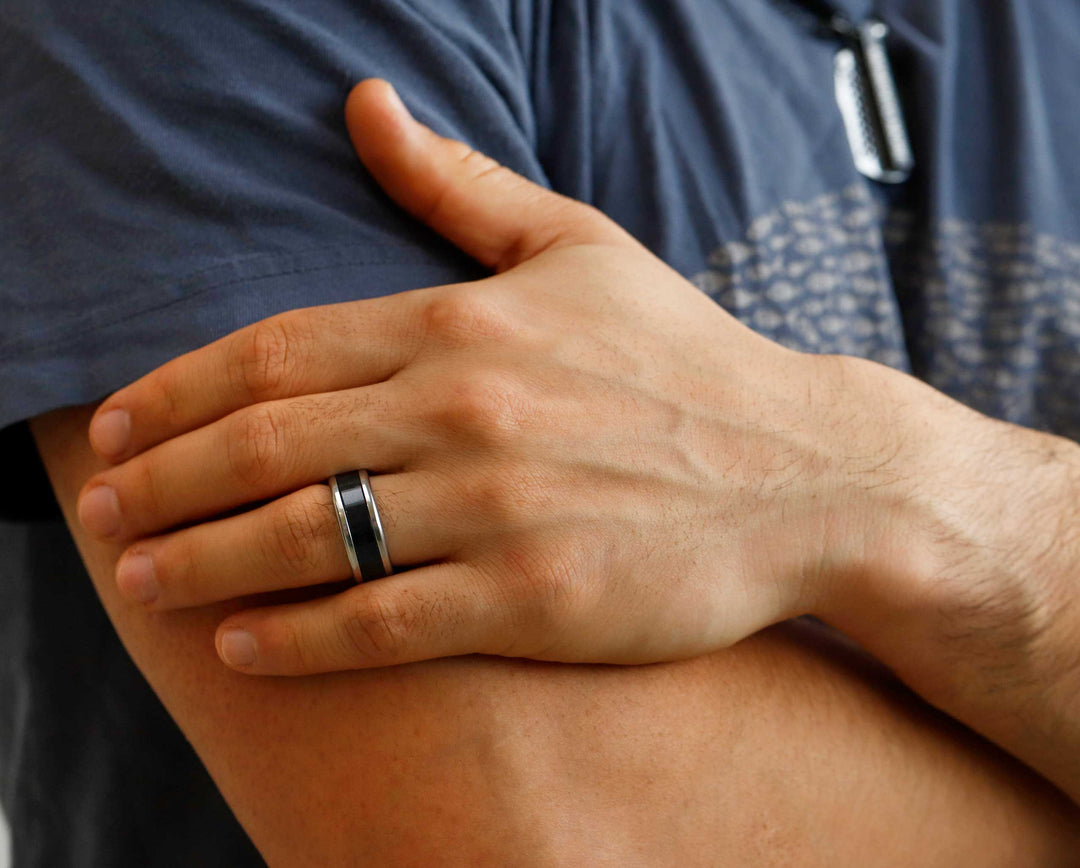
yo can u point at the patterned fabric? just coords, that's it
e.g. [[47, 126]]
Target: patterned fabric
[[814, 277], [987, 313]]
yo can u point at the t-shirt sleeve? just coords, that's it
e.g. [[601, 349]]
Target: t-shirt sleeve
[[171, 172]]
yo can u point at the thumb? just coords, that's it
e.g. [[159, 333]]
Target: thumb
[[495, 215]]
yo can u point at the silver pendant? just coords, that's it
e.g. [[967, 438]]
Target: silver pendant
[[870, 106]]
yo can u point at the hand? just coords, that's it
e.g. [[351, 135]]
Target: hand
[[582, 458]]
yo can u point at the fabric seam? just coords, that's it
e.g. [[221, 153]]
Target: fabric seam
[[63, 333]]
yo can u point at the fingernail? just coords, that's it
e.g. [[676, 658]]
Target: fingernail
[[99, 511], [238, 647], [110, 433], [136, 578]]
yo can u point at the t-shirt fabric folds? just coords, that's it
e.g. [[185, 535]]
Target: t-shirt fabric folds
[[171, 172]]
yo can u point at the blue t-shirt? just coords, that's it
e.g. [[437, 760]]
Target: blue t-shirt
[[171, 172]]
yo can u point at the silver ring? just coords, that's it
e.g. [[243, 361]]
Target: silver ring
[[376, 523], [360, 525], [343, 526]]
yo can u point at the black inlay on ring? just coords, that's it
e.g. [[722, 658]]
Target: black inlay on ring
[[360, 527]]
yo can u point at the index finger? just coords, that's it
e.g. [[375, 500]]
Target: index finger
[[316, 349]]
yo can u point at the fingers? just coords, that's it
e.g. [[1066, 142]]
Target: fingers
[[253, 454], [291, 542], [319, 349], [436, 611], [493, 214]]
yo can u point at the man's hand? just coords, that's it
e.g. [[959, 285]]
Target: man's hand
[[584, 459], [581, 459]]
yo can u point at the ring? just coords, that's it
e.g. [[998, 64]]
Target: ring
[[360, 525]]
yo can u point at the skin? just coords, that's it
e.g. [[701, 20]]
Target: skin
[[790, 748], [584, 459]]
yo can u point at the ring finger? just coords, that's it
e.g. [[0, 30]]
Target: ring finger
[[292, 542]]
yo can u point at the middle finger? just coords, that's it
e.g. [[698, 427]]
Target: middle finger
[[253, 454]]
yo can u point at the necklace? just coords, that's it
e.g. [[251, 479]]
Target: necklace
[[866, 94]]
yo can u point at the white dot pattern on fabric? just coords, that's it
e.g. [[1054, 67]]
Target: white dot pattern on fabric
[[813, 276], [988, 313]]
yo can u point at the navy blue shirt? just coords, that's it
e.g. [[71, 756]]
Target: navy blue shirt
[[170, 172]]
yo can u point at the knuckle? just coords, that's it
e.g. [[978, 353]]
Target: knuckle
[[255, 445], [296, 648], [167, 388], [289, 643], [461, 317], [546, 587], [473, 165], [264, 357], [481, 402], [177, 568], [477, 165], [487, 407], [295, 536], [376, 628], [477, 162], [143, 493], [507, 497]]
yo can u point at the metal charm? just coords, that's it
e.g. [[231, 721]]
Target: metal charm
[[870, 106]]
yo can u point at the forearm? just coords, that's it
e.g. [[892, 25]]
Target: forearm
[[974, 592], [783, 745]]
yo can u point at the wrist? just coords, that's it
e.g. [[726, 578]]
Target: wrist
[[996, 541], [1005, 632], [899, 507], [970, 581]]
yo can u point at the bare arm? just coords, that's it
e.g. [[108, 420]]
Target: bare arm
[[784, 748]]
